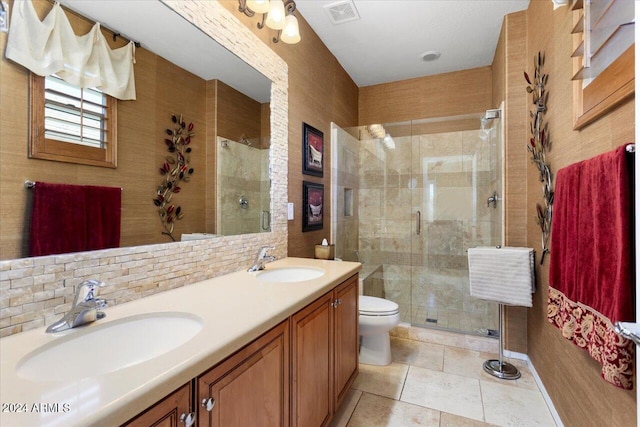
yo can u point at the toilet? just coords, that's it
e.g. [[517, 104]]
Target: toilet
[[377, 317]]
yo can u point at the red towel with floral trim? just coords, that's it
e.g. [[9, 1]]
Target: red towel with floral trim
[[591, 270]]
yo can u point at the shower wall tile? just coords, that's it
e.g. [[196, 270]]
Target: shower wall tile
[[373, 283], [399, 160], [449, 179], [396, 202], [371, 157], [372, 179], [445, 237], [370, 204]]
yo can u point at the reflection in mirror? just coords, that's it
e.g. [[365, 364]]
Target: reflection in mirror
[[243, 183], [178, 68]]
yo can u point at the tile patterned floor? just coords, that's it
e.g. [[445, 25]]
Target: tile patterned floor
[[430, 384]]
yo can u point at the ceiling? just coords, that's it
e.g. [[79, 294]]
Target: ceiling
[[386, 43], [383, 45]]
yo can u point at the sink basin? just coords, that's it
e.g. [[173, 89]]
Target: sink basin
[[109, 347], [289, 274]]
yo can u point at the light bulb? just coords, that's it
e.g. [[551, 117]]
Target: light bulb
[[276, 15], [258, 6], [290, 33]]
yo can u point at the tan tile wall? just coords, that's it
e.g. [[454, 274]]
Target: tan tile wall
[[36, 291]]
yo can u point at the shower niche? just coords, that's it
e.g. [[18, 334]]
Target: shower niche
[[420, 193]]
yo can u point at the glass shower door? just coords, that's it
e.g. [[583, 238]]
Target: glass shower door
[[409, 203], [454, 171]]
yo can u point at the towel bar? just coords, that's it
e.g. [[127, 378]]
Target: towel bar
[[631, 148], [32, 184]]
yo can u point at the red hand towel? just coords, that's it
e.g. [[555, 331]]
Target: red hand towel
[[58, 221], [73, 218], [103, 209]]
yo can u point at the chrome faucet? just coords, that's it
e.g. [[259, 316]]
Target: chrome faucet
[[261, 259], [85, 309]]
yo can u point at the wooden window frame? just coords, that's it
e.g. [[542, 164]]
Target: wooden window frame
[[61, 151], [611, 88]]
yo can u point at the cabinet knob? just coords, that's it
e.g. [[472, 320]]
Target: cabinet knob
[[336, 303], [188, 419], [208, 404]]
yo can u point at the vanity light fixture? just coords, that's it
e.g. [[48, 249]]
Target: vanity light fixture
[[277, 15], [559, 3], [378, 131]]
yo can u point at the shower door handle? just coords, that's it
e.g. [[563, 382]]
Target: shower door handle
[[418, 222]]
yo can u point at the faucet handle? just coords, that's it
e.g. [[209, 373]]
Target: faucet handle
[[264, 250], [90, 286]]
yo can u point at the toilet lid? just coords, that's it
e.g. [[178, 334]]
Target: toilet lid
[[377, 306]]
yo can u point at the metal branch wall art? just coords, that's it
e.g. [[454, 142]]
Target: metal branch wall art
[[539, 145], [174, 169]]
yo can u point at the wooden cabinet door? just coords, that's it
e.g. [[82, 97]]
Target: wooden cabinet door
[[346, 337], [312, 364], [167, 412], [250, 388]]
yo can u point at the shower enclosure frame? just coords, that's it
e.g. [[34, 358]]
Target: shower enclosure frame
[[420, 287]]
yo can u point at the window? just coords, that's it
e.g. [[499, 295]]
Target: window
[[603, 57], [71, 124]]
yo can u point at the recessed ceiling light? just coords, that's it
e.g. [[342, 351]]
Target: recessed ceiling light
[[430, 55]]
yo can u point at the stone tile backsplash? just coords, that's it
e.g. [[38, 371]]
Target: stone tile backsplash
[[35, 292]]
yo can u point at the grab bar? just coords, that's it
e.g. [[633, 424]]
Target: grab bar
[[418, 223]]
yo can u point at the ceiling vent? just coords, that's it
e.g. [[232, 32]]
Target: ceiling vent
[[342, 11]]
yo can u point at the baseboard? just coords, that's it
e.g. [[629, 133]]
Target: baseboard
[[543, 390]]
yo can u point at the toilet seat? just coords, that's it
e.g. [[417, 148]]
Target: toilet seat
[[373, 306]]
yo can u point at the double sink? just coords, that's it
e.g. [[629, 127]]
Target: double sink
[[109, 346]]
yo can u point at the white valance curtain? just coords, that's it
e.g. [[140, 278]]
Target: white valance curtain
[[51, 47]]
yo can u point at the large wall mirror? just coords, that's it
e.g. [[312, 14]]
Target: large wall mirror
[[179, 70]]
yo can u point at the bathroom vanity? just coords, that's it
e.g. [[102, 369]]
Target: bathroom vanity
[[286, 349]]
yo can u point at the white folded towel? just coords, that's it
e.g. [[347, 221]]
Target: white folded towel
[[504, 275]]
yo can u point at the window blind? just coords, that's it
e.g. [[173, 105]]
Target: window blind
[[607, 30]]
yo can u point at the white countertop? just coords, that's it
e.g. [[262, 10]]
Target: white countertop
[[235, 309]]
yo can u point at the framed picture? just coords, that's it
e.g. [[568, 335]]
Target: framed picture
[[312, 150], [312, 205]]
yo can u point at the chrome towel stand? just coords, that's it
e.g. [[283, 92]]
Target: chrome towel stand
[[499, 368]]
